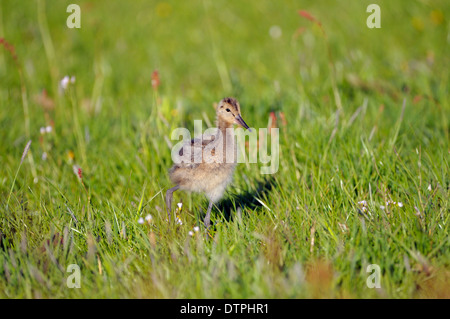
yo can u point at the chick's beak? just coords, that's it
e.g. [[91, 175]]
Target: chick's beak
[[241, 122]]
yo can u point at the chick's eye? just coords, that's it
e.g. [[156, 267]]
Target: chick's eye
[[228, 110]]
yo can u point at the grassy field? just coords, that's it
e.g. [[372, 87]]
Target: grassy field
[[364, 149]]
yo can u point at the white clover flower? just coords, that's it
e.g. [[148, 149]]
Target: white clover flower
[[148, 218], [141, 220], [48, 129], [400, 204], [196, 229], [191, 233]]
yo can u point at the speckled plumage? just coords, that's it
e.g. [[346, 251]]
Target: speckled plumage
[[209, 160]]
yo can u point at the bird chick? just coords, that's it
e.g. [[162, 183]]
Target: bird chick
[[207, 162]]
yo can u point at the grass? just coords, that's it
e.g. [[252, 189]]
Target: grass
[[300, 233]]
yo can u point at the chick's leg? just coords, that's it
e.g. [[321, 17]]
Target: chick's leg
[[169, 196], [207, 220]]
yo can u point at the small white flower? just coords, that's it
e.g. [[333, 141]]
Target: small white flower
[[429, 187], [179, 222], [191, 233], [64, 83], [180, 205], [275, 32], [141, 220], [149, 218], [382, 207], [196, 229], [48, 129], [42, 130], [44, 156], [363, 203], [72, 79], [400, 204]]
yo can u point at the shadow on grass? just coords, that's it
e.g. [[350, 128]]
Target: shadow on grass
[[229, 206]]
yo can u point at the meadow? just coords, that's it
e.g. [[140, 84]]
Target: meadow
[[363, 178]]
